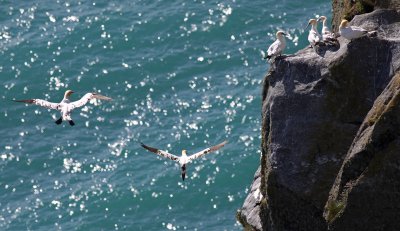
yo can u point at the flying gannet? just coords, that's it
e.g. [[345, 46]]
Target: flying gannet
[[327, 35], [65, 106], [184, 159], [277, 47], [351, 32], [313, 36]]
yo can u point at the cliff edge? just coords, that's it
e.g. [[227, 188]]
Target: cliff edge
[[316, 109]]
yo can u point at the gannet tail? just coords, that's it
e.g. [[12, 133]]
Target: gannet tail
[[59, 121], [268, 57], [183, 173]]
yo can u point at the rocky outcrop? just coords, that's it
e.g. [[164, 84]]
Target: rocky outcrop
[[250, 212], [347, 9], [366, 193], [313, 107]]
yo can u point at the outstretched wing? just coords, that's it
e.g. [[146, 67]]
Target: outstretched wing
[[206, 151], [39, 102], [86, 98], [160, 152]]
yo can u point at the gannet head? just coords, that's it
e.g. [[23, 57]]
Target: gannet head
[[312, 22], [322, 18], [280, 34], [67, 94], [343, 23], [184, 152]]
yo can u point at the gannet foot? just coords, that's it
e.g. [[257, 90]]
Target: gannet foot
[[59, 121]]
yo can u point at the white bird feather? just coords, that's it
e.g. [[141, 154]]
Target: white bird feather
[[277, 47], [65, 106], [184, 159], [351, 32]]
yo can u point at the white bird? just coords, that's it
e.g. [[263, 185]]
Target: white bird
[[65, 106], [351, 32], [277, 47], [184, 159], [313, 36], [327, 35]]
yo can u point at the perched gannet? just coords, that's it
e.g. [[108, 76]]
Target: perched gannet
[[184, 159], [327, 35], [65, 106], [351, 32], [313, 36], [277, 47]]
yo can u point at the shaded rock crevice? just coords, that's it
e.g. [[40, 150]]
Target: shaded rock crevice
[[367, 185]]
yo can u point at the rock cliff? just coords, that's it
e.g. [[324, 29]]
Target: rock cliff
[[349, 8], [322, 129]]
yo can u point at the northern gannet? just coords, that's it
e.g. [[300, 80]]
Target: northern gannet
[[65, 106], [277, 47], [351, 32], [184, 159], [313, 36], [327, 35]]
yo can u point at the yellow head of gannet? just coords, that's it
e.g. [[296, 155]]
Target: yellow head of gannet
[[280, 34], [68, 93], [322, 18], [343, 23], [312, 22], [184, 152]]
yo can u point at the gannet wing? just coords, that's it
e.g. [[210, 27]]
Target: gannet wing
[[39, 102], [207, 150], [272, 50], [86, 98], [160, 152], [356, 28]]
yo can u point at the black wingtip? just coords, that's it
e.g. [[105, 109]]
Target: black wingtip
[[59, 121], [23, 101], [71, 122]]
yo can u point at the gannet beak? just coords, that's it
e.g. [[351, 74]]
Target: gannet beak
[[319, 19], [284, 34], [307, 26]]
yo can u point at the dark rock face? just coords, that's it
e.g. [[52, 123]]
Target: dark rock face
[[347, 9], [250, 212], [313, 106], [366, 193]]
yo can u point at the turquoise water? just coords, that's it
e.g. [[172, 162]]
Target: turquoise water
[[183, 75]]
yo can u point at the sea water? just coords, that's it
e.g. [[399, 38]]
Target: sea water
[[182, 75]]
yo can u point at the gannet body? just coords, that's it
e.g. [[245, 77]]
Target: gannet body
[[65, 106], [351, 32], [327, 35], [184, 159], [278, 46], [313, 36]]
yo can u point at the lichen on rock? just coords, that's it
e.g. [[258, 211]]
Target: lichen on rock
[[347, 9]]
